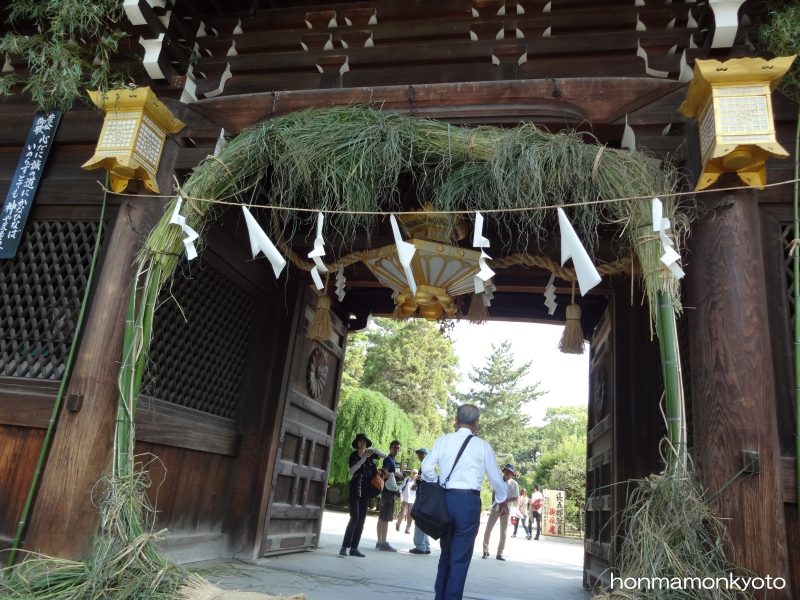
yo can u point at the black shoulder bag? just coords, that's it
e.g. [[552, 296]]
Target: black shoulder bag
[[429, 511]]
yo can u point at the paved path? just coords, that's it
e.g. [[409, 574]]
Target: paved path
[[549, 569]]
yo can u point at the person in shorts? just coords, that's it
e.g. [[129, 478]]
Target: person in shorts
[[388, 498]]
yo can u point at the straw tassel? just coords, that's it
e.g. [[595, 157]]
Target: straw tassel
[[572, 338], [320, 328], [478, 313]]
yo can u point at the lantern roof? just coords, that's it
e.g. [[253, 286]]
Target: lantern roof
[[708, 73], [142, 97]]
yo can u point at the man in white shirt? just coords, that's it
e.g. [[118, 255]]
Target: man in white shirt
[[511, 502], [463, 497], [537, 502]]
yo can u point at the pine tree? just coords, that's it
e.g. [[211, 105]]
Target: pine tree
[[500, 395]]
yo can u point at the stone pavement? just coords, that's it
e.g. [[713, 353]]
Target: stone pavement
[[550, 569]]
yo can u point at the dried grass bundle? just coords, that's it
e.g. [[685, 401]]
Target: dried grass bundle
[[197, 588], [671, 531], [320, 327], [572, 338], [478, 311]]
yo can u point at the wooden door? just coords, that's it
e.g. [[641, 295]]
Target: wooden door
[[307, 417], [599, 455]]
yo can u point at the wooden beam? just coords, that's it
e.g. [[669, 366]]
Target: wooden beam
[[64, 520], [599, 98], [733, 393]]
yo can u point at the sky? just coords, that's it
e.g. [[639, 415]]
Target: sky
[[565, 376]]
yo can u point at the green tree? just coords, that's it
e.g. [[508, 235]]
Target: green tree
[[561, 464], [372, 413], [499, 393], [354, 356], [413, 365]]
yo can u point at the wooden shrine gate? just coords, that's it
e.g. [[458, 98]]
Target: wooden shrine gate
[[599, 454], [304, 441]]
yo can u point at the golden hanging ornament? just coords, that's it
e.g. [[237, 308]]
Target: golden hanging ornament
[[572, 338]]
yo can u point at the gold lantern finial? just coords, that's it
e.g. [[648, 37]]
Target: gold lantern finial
[[133, 135], [734, 106]]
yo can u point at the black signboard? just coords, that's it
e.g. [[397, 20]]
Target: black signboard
[[26, 180]]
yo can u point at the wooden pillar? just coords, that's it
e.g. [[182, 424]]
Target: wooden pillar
[[64, 520], [732, 382]]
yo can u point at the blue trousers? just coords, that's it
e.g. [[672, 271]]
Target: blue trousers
[[421, 540], [457, 544]]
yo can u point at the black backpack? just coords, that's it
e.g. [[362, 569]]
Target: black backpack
[[429, 511]]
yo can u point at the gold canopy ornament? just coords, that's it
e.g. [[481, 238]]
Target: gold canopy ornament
[[133, 136], [734, 106], [440, 271]]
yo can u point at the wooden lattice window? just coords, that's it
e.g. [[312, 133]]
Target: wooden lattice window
[[42, 289], [200, 338]]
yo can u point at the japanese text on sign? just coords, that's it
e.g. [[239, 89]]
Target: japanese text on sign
[[555, 522], [25, 181]]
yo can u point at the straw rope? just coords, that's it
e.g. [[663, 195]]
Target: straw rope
[[623, 265], [450, 212]]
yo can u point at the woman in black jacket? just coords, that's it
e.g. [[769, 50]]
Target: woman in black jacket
[[362, 470]]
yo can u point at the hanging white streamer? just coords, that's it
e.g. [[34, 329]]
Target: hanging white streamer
[[405, 253], [488, 294], [192, 235], [317, 253], [571, 247], [661, 224], [550, 296], [478, 241], [340, 281], [259, 242]]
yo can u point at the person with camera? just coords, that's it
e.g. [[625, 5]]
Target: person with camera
[[389, 496], [362, 470]]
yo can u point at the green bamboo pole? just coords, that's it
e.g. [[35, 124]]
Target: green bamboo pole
[[796, 265], [23, 521], [122, 434], [665, 325], [136, 342]]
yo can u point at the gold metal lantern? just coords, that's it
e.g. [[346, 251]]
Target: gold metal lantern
[[734, 105], [441, 271], [133, 135]]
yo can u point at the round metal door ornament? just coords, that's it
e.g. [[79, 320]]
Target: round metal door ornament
[[317, 373]]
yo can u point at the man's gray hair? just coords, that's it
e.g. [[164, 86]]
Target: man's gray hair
[[467, 414]]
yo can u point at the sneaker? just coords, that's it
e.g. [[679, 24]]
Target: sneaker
[[536, 538], [407, 531], [427, 551], [513, 535], [387, 548], [500, 557], [485, 555], [527, 537], [378, 545], [416, 551], [355, 552], [343, 552], [397, 527]]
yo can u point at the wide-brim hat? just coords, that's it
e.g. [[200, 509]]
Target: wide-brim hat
[[362, 436], [509, 467]]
